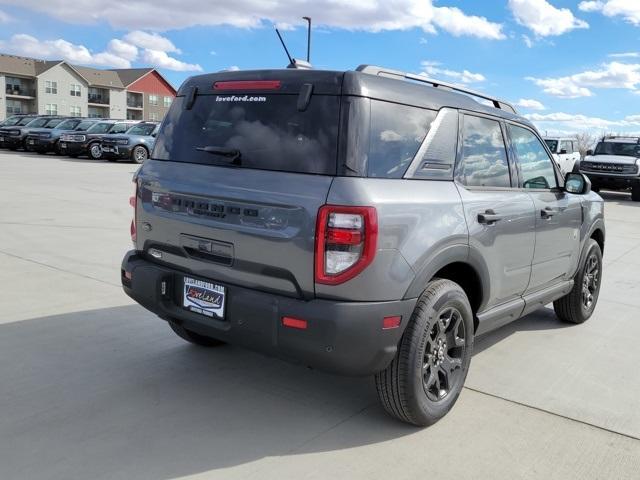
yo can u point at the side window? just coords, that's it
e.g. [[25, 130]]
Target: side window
[[483, 162], [566, 146], [536, 168], [396, 134]]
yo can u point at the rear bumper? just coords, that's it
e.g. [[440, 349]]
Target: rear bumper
[[612, 181], [341, 337]]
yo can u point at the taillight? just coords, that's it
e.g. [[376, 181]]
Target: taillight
[[346, 239], [132, 202]]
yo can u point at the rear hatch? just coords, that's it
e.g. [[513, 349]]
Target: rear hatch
[[241, 165]]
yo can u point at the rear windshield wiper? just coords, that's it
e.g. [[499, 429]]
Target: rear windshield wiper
[[231, 155]]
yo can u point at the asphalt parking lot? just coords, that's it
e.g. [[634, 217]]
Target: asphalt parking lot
[[94, 387]]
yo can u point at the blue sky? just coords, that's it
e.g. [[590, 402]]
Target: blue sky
[[571, 65]]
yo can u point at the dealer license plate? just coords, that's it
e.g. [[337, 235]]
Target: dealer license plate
[[203, 297]]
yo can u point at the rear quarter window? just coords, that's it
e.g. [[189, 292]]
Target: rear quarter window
[[396, 134]]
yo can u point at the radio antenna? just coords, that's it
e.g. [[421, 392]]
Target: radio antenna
[[308, 19], [291, 62]]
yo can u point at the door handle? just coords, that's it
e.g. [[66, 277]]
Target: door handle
[[547, 212], [489, 217]]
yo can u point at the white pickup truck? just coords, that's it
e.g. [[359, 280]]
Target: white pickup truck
[[565, 151]]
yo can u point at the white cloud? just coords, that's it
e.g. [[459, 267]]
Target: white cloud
[[610, 75], [530, 104], [369, 15], [4, 17], [544, 19], [567, 122], [150, 41], [625, 55], [161, 59], [118, 54], [629, 10], [433, 69], [232, 68], [527, 41]]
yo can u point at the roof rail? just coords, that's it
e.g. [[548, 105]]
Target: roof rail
[[381, 71]]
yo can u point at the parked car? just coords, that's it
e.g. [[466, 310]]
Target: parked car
[[46, 140], [614, 164], [13, 119], [14, 137], [88, 143], [15, 122], [360, 222], [134, 145], [565, 152]]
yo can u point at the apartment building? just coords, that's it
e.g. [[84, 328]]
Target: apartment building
[[56, 87]]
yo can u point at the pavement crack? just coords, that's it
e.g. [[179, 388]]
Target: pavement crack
[[59, 269], [549, 412]]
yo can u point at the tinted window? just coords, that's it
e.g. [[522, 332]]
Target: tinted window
[[100, 128], [24, 121], [268, 131], [536, 168], [12, 121], [68, 124], [144, 130], [615, 148], [484, 157], [552, 144], [38, 122], [84, 125], [120, 127], [396, 134], [54, 123]]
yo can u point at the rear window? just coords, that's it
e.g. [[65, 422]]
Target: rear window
[[397, 131], [267, 130]]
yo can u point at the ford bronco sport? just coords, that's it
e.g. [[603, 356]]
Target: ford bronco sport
[[362, 222], [615, 164]]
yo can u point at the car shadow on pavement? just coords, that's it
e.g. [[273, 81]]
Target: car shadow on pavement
[[114, 393], [619, 198], [543, 319]]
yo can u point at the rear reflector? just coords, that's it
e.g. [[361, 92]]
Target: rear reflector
[[391, 322], [248, 85], [294, 323]]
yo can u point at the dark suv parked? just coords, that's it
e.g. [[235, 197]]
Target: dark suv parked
[[13, 137], [88, 143], [46, 140], [134, 145], [362, 222]]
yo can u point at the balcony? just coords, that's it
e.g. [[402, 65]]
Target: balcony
[[134, 100], [98, 99], [19, 91]]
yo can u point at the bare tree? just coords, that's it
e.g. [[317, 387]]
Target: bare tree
[[585, 142]]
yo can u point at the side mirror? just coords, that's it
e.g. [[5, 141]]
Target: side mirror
[[563, 151], [589, 152], [577, 183]]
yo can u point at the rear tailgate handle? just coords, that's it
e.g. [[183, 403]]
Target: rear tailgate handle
[[489, 217]]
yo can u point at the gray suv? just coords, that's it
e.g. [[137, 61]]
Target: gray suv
[[367, 222]]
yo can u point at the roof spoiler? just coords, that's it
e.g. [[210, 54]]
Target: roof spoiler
[[387, 72]]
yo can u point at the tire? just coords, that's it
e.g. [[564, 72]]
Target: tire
[[193, 337], [411, 387], [578, 305], [139, 154], [95, 152], [635, 193]]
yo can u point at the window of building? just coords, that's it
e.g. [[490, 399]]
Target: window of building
[[484, 156], [51, 87], [75, 111], [51, 109], [153, 100], [153, 116], [167, 101], [14, 106], [75, 90], [536, 167]]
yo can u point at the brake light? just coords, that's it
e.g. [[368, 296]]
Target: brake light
[[346, 240], [248, 85], [132, 202]]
